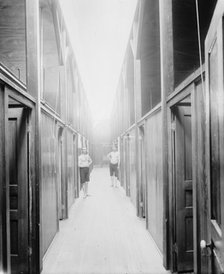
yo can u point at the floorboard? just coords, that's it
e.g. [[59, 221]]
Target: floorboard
[[103, 236]]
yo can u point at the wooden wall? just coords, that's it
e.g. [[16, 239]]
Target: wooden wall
[[130, 84], [199, 176], [49, 181], [2, 179], [181, 29], [49, 47], [71, 92], [71, 168], [52, 71], [186, 49], [122, 162], [65, 113], [39, 58], [154, 176], [52, 91], [132, 167], [12, 37], [150, 57], [124, 109]]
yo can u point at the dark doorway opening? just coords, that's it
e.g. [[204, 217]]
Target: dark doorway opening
[[182, 190], [18, 154], [142, 169]]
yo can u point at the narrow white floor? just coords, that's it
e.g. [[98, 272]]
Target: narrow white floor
[[103, 236]]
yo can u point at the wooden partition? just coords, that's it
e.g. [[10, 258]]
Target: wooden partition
[[132, 167], [12, 37], [38, 144], [49, 210], [125, 164], [149, 55], [52, 73], [3, 245], [154, 180], [199, 178], [122, 171], [71, 164], [152, 154], [17, 214], [186, 166]]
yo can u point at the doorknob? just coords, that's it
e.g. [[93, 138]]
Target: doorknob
[[204, 245]]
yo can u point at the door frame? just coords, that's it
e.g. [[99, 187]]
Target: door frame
[[127, 164], [200, 215], [20, 113], [33, 185], [188, 91], [216, 26], [61, 147], [142, 171], [122, 169], [183, 260], [76, 173]]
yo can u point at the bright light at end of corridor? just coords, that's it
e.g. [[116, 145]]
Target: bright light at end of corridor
[[100, 104], [99, 31]]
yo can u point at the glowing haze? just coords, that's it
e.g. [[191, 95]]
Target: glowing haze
[[99, 31]]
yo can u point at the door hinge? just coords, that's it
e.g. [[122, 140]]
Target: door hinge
[[175, 248]]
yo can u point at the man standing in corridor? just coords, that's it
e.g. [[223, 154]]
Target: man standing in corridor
[[84, 163], [114, 158]]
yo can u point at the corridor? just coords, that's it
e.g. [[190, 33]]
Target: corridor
[[103, 235]]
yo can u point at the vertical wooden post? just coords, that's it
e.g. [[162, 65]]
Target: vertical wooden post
[[137, 83], [4, 187], [137, 107], [33, 87], [167, 85], [65, 172], [2, 180]]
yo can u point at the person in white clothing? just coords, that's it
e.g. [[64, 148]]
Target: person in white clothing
[[114, 159], [84, 163]]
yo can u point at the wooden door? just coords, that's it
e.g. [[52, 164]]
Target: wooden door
[[75, 155], [59, 179], [122, 161], [142, 174], [183, 244], [18, 189], [215, 139], [127, 165], [61, 176]]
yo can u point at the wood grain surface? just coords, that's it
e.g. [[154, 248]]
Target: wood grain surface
[[103, 235]]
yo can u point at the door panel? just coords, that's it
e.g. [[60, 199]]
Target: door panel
[[142, 172], [18, 189], [183, 186], [75, 155], [59, 176], [122, 163], [62, 187], [214, 137], [127, 166]]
